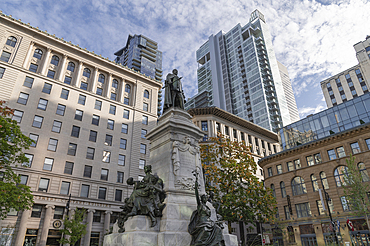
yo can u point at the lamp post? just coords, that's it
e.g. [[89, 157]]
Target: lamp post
[[67, 208], [327, 199]]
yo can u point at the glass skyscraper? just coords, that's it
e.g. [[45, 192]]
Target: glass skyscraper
[[238, 72]]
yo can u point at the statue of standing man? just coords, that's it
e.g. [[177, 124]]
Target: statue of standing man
[[174, 95]]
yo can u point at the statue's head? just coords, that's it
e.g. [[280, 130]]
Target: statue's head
[[148, 169], [130, 181], [204, 198], [175, 72]]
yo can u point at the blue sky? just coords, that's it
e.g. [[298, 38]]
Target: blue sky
[[313, 39]]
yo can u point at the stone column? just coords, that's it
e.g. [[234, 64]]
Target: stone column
[[62, 68], [22, 228], [210, 129], [45, 62], [76, 80], [121, 91], [108, 86], [89, 222], [107, 221], [94, 79], [28, 56], [46, 224]]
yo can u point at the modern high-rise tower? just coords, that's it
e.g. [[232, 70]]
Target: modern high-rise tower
[[238, 72]]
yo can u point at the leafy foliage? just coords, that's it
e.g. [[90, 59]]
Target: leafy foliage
[[230, 174], [12, 142], [73, 227]]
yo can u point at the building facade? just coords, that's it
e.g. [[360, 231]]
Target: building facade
[[238, 72], [88, 117], [352, 82]]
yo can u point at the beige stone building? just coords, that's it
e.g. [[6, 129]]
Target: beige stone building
[[88, 117]]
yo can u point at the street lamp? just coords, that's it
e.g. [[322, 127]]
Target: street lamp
[[67, 208], [327, 199]]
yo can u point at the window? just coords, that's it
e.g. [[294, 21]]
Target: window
[[140, 177], [43, 185], [11, 41], [121, 160], [68, 168], [51, 74], [83, 86], [85, 190], [113, 96], [118, 196], [204, 125], [119, 177], [269, 171], [106, 156], [97, 216], [90, 153], [37, 54], [141, 164], [87, 171], [86, 73], [144, 120], [34, 137], [75, 131], [143, 133], [108, 140], [93, 136], [146, 94], [282, 189], [58, 213], [42, 104], [23, 98], [126, 114], [297, 164], [101, 78], [2, 71], [303, 210], [17, 116], [112, 109], [123, 143], [54, 60], [81, 99], [47, 88], [290, 166], [115, 83], [61, 109], [298, 186], [102, 193], [5, 56], [126, 101], [345, 204], [110, 124], [37, 121], [52, 146], [279, 169], [287, 212], [340, 151], [57, 125], [99, 91], [124, 128], [315, 185], [324, 180], [339, 173], [28, 82], [363, 171], [317, 158], [97, 104], [36, 211], [142, 148], [78, 115], [64, 189], [95, 120], [64, 94], [310, 160], [72, 149], [33, 67], [67, 80], [272, 186], [128, 89], [24, 179], [30, 158], [71, 66], [355, 148], [331, 154], [227, 132], [145, 107]]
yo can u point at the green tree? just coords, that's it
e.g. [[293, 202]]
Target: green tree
[[230, 174], [13, 195], [356, 189], [73, 227]]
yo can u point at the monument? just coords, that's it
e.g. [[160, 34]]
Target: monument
[[183, 211]]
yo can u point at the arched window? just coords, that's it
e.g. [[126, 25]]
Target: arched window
[[298, 186], [87, 72], [146, 94], [363, 171], [128, 89], [339, 173], [37, 54], [11, 41], [315, 185], [324, 180], [291, 236], [282, 188], [273, 190], [55, 60], [101, 78], [71, 66], [115, 83]]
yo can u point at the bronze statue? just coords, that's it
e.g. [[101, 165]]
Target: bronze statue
[[146, 199], [203, 230], [174, 95]]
